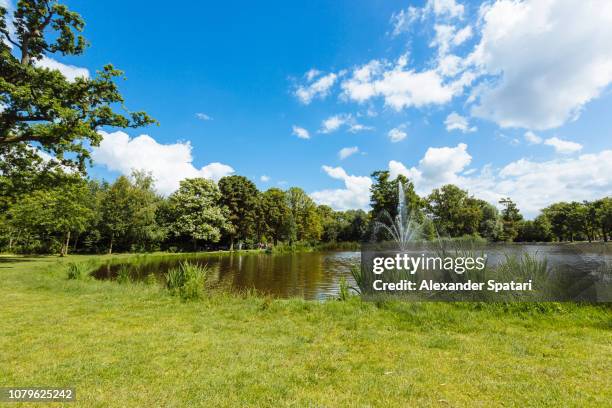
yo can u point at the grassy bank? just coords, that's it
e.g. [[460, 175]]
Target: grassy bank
[[134, 345]]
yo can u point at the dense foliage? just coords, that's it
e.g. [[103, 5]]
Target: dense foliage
[[70, 213], [40, 106]]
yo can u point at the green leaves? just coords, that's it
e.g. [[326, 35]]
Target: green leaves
[[195, 210], [57, 211], [41, 105], [240, 196]]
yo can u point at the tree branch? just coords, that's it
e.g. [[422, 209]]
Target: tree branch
[[8, 37]]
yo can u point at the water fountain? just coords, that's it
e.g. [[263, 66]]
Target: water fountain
[[405, 227]]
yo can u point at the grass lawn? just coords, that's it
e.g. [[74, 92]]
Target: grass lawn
[[134, 345]]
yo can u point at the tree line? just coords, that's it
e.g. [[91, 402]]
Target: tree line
[[52, 211]]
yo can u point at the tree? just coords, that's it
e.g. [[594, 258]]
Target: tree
[[511, 218], [42, 106], [128, 213], [384, 195], [556, 214], [69, 211], [603, 216], [144, 231], [196, 211], [240, 196], [116, 211], [490, 226], [332, 223], [356, 229], [577, 219], [54, 213], [276, 214], [305, 221], [537, 230], [454, 212], [23, 171]]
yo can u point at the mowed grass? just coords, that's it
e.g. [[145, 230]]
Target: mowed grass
[[124, 345]]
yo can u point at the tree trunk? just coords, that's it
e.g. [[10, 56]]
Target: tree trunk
[[66, 245], [110, 246], [231, 243]]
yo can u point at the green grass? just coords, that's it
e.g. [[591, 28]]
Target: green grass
[[133, 344]]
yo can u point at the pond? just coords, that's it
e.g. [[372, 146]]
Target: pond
[[316, 275], [310, 275]]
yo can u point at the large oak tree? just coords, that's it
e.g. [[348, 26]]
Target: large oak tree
[[40, 106]]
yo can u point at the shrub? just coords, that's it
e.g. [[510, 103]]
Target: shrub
[[187, 281]]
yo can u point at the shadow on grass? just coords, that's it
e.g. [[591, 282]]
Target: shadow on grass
[[13, 259]]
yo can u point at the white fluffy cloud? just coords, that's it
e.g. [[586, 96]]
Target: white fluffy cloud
[[535, 64], [439, 166], [168, 163], [264, 178], [347, 151], [313, 89], [448, 8], [563, 146], [401, 87], [356, 193], [560, 145], [532, 138], [203, 116], [448, 36], [440, 9], [71, 72], [532, 185], [454, 121], [300, 132], [397, 134], [402, 20], [335, 122], [549, 58]]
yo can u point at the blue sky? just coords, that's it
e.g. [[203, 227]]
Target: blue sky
[[528, 83]]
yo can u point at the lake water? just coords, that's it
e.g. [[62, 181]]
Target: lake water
[[311, 275], [316, 275]]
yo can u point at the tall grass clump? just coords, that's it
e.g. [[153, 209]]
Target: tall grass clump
[[359, 278], [529, 267], [124, 274], [187, 281], [344, 293], [76, 271]]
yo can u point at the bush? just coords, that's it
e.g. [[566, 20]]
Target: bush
[[187, 281]]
